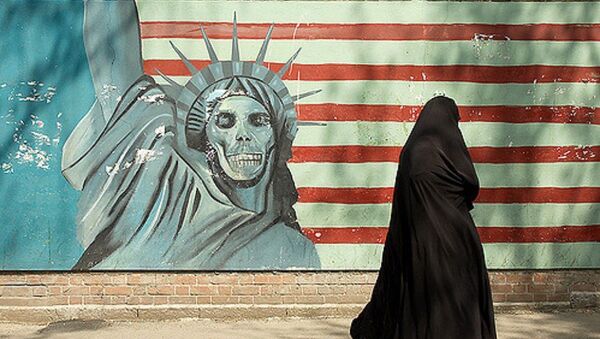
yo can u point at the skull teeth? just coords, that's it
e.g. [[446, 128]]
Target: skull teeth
[[246, 159]]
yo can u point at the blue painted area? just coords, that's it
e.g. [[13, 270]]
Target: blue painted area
[[45, 89]]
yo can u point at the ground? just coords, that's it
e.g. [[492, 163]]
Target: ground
[[526, 325]]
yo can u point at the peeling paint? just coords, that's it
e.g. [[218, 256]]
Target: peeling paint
[[154, 98]]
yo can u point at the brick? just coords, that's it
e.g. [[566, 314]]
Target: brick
[[245, 290], [499, 297], [203, 279], [519, 288], [497, 278], [540, 297], [54, 279], [96, 290], [182, 290], [203, 300], [223, 289], [182, 300], [207, 290], [141, 279], [39, 291], [118, 300], [519, 278], [287, 289], [540, 288], [288, 278], [186, 279], [161, 300], [246, 300], [289, 299], [96, 279], [583, 287], [54, 290], [164, 278], [246, 278], [34, 279], [160, 290], [309, 289], [503, 288], [16, 291], [119, 279], [75, 300], [227, 279], [519, 297], [266, 290], [76, 279], [270, 279], [75, 290], [118, 290]]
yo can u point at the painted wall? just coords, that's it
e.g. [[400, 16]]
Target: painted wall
[[147, 181]]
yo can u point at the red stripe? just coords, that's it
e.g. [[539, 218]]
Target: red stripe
[[376, 235], [482, 155], [501, 195], [373, 31], [397, 113], [464, 73]]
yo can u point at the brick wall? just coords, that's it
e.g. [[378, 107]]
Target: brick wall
[[567, 288]]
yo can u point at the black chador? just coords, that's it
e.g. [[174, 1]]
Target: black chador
[[433, 282]]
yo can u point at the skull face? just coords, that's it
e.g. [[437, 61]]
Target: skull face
[[240, 131]]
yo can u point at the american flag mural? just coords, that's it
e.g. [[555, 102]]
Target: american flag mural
[[525, 76]]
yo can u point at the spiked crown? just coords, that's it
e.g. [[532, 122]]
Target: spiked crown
[[193, 119]]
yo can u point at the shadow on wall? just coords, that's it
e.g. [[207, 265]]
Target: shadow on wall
[[45, 89]]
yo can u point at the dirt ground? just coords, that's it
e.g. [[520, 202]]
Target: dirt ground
[[531, 325]]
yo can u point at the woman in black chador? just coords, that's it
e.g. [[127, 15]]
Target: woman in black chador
[[433, 282]]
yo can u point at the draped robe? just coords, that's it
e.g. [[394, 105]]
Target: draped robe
[[433, 281]]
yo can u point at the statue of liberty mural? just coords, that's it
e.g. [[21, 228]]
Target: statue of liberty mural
[[183, 177]]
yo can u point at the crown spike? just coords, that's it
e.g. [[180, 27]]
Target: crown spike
[[185, 60], [169, 80], [305, 94], [235, 48], [263, 49], [287, 65], [211, 51]]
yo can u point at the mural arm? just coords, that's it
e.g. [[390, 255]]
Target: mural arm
[[113, 48], [112, 42]]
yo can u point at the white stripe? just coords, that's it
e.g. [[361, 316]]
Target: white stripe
[[393, 92], [373, 12], [498, 256], [490, 52], [490, 175], [475, 133], [495, 215]]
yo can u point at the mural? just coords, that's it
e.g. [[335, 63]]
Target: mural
[[194, 135], [189, 177]]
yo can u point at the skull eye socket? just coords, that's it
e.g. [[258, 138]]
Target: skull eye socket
[[225, 120], [260, 119]]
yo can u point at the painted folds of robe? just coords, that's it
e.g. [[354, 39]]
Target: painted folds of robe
[[146, 204], [433, 282]]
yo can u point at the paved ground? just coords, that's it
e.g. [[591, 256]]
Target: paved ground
[[536, 325]]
